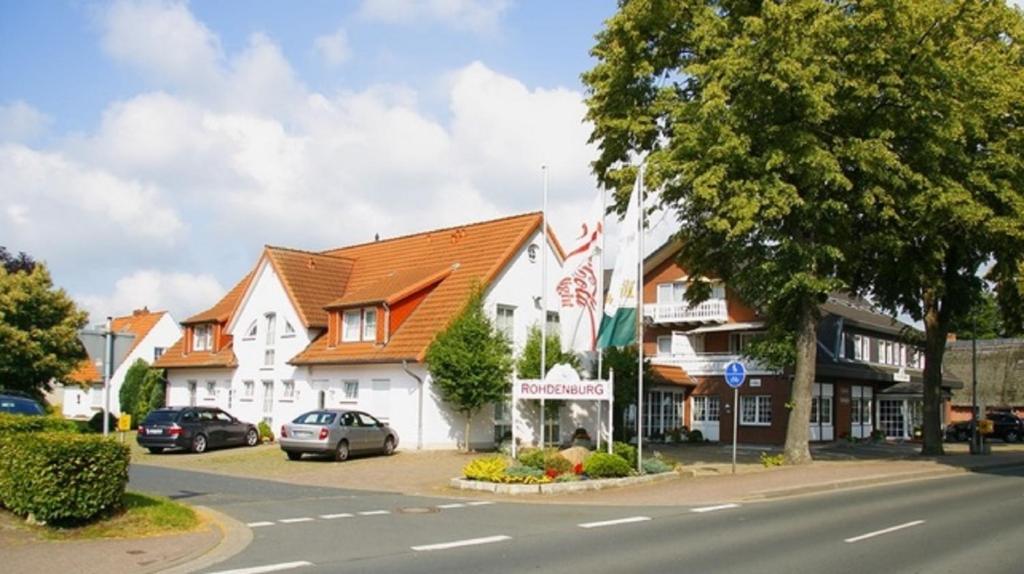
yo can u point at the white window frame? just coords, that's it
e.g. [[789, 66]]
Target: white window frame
[[287, 390], [271, 327], [350, 390], [211, 391], [369, 328], [202, 338], [505, 320], [662, 339], [248, 390], [553, 324], [671, 293], [351, 325], [158, 352], [268, 359], [759, 420], [706, 409]]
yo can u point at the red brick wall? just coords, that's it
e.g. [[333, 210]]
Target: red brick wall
[[775, 387]]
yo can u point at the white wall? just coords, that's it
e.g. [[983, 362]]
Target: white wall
[[78, 403]]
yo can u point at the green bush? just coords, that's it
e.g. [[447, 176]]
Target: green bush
[[695, 436], [656, 466], [770, 460], [604, 465], [96, 422], [61, 477], [532, 457], [21, 423], [488, 468], [266, 435], [625, 451], [557, 463], [525, 475]]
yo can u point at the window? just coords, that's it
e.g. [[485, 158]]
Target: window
[[553, 324], [756, 410], [738, 342], [271, 327], [531, 252], [248, 389], [223, 417], [350, 390], [157, 353], [250, 333], [502, 420], [705, 409], [211, 390], [671, 292], [202, 338], [367, 421], [268, 358], [665, 345], [505, 320], [350, 329], [289, 331], [369, 324], [315, 418], [288, 390]]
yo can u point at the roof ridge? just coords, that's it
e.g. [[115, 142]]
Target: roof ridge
[[329, 252], [307, 252]]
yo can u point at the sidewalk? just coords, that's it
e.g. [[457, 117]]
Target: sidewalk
[[25, 551]]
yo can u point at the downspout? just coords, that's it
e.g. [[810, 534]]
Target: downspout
[[387, 323], [419, 416]]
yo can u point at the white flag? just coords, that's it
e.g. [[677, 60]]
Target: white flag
[[578, 289], [618, 323]]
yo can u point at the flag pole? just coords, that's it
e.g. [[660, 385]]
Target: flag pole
[[544, 300], [600, 296], [640, 326]]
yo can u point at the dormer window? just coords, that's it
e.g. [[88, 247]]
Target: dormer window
[[350, 325], [202, 338], [359, 325], [369, 324]]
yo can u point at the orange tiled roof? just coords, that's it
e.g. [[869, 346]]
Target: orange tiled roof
[[175, 357], [394, 286], [481, 250], [312, 280], [673, 375], [85, 373], [224, 308], [139, 323]]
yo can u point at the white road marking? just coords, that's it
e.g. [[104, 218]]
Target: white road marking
[[714, 508], [374, 512], [267, 568], [629, 520], [452, 505], [883, 531], [339, 515], [294, 520], [479, 503], [460, 543], [258, 524]]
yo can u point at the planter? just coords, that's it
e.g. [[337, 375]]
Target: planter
[[560, 487]]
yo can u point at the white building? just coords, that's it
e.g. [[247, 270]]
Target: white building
[[349, 328], [151, 334]]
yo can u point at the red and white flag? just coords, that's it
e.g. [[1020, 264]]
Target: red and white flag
[[579, 289]]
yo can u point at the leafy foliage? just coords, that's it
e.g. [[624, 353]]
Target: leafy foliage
[[626, 452], [557, 464], [10, 424], [128, 396], [15, 263], [984, 320], [61, 477], [38, 329], [95, 423], [528, 363], [656, 466], [266, 435], [533, 457], [488, 468], [525, 475], [470, 362], [770, 460], [604, 465], [624, 363], [152, 394]]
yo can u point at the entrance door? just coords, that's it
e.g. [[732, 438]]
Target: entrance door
[[268, 402], [822, 427], [891, 418], [705, 416], [861, 421]]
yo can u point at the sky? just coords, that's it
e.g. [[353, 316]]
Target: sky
[[150, 149]]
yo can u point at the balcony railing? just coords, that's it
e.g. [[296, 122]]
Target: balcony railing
[[710, 311], [710, 364]]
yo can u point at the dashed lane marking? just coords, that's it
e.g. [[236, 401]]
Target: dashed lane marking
[[603, 523], [714, 508], [461, 543], [452, 505], [338, 515], [259, 524], [883, 531], [295, 520], [374, 512], [267, 568], [480, 503]]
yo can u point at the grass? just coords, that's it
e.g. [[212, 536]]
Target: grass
[[141, 515]]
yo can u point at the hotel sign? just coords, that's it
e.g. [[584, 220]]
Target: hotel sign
[[562, 382]]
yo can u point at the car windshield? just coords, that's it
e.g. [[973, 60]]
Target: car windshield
[[315, 418], [161, 417], [20, 406]]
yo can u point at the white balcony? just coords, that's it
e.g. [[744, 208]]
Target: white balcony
[[710, 364], [710, 311]]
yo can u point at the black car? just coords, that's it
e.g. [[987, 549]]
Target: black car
[[1005, 426], [194, 428], [18, 403]]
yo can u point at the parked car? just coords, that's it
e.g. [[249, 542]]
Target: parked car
[[337, 433], [194, 428], [1006, 426], [16, 402]]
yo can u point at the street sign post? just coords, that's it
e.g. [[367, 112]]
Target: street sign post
[[735, 374]]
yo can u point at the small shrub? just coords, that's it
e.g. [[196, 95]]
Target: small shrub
[[488, 468], [604, 465], [878, 435], [695, 436], [677, 434], [625, 451], [770, 460], [266, 435], [96, 422], [532, 457], [656, 466], [10, 424], [557, 463], [567, 478], [525, 475], [61, 477]]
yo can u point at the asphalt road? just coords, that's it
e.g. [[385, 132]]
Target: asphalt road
[[964, 523]]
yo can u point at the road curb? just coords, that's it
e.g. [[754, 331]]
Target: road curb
[[874, 481], [235, 537]]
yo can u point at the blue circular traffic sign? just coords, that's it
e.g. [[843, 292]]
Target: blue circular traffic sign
[[735, 374]]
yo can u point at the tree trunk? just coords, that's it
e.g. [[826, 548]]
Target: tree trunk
[[935, 331], [798, 429], [469, 419]]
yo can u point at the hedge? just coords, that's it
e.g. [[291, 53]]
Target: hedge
[[61, 477], [23, 423], [604, 465]]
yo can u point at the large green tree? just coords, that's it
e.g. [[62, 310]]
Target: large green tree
[[39, 327], [470, 362], [151, 395], [528, 362], [623, 362], [128, 396]]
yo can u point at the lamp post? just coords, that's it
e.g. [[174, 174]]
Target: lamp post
[[975, 435]]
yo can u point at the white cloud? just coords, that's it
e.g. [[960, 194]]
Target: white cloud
[[334, 48], [20, 122], [478, 16], [183, 294]]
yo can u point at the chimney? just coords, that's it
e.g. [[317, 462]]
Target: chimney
[[143, 311], [376, 236]]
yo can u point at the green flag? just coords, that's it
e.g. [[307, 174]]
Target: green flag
[[618, 324]]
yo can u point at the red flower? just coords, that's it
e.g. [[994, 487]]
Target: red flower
[[578, 469], [552, 473]]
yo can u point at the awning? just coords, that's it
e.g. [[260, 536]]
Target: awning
[[748, 326], [878, 374], [672, 375]]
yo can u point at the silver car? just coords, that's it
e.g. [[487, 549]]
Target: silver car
[[337, 433]]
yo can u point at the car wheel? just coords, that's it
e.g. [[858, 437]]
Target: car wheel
[[156, 449], [389, 446], [293, 455], [199, 444], [1011, 436], [252, 438], [341, 453]]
